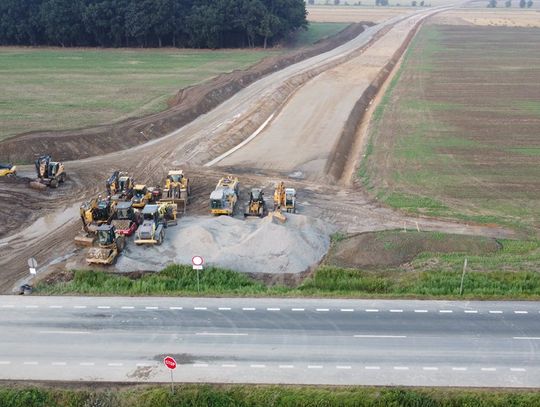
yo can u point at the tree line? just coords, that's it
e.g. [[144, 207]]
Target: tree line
[[149, 23]]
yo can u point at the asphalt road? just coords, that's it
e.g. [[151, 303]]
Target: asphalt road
[[311, 341]]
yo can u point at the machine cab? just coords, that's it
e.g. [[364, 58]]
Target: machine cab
[[106, 235], [124, 211]]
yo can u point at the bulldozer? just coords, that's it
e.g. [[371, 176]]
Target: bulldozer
[[8, 170], [256, 205], [125, 219], [152, 229], [223, 199], [141, 196], [49, 173], [284, 198], [120, 186], [109, 247], [94, 213]]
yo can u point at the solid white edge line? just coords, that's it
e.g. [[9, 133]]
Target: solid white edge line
[[65, 332], [220, 334]]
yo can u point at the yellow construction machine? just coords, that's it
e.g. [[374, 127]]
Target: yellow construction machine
[[256, 205], [223, 199], [109, 246], [96, 212], [284, 198], [7, 170], [141, 196], [177, 189], [49, 173], [120, 186]]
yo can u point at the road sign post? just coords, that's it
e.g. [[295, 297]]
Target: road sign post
[[171, 364], [197, 262]]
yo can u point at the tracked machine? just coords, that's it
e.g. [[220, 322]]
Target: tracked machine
[[256, 205], [120, 186], [8, 170], [49, 173], [141, 196], [224, 197], [110, 245], [284, 198], [96, 212]]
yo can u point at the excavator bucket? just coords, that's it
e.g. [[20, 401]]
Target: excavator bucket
[[278, 217]]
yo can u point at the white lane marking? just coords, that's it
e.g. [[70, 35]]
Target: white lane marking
[[56, 306], [5, 362], [423, 311], [31, 306], [248, 309], [227, 365], [298, 309], [401, 368], [396, 310], [446, 311], [380, 336], [272, 309], [322, 310], [65, 332], [517, 369], [372, 367], [257, 366], [200, 308], [372, 310], [143, 365], [87, 364], [114, 364], [127, 307], [176, 308], [471, 311], [347, 310], [224, 309], [459, 369], [58, 363], [200, 365], [488, 369], [430, 368], [220, 334], [79, 306], [103, 307], [8, 306], [343, 367], [314, 367], [521, 312], [495, 312], [30, 363], [527, 338], [286, 366], [151, 307]]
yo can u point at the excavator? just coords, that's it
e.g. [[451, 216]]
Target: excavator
[[256, 205], [141, 196], [120, 186], [223, 198], [49, 173], [284, 198], [110, 245], [94, 213], [7, 170]]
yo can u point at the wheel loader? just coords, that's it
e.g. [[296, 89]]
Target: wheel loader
[[94, 213], [176, 186], [49, 173], [256, 205], [110, 245], [8, 170], [141, 196], [152, 229], [223, 199]]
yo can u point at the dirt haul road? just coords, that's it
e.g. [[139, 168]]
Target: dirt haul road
[[50, 237]]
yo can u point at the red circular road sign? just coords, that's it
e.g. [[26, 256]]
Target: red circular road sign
[[170, 362], [197, 261]]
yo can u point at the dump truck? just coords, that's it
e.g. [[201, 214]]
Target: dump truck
[[49, 173], [256, 205], [224, 197], [152, 229], [110, 245], [8, 170], [96, 212], [125, 219], [141, 196]]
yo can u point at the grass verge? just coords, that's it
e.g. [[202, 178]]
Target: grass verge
[[257, 395]]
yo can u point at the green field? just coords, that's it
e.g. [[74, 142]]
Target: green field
[[203, 395], [54, 89], [456, 134]]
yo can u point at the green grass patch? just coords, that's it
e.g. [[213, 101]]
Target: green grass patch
[[317, 31]]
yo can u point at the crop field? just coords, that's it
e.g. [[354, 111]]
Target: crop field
[[457, 133]]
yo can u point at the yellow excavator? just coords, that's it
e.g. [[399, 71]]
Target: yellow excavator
[[120, 186], [7, 170], [96, 212], [110, 245], [49, 173], [284, 198]]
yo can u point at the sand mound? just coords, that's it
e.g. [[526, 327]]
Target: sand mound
[[253, 245]]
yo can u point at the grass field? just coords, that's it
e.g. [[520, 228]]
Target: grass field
[[54, 89], [194, 395], [512, 272], [456, 134]]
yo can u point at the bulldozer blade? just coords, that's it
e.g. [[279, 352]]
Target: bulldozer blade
[[84, 240], [278, 216]]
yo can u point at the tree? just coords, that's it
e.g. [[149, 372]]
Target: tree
[[508, 3], [492, 4], [336, 2], [413, 3], [62, 22], [422, 3], [522, 3], [529, 3]]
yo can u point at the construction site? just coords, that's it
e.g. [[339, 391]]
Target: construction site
[[256, 183]]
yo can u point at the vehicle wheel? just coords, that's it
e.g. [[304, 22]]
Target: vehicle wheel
[[121, 243], [54, 183], [160, 239], [63, 178]]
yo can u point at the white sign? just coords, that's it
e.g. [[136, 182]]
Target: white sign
[[33, 271], [32, 263], [197, 261]]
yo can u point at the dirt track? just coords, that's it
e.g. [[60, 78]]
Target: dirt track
[[197, 143]]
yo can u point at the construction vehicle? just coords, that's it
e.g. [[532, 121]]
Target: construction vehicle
[[141, 196], [152, 229], [223, 199], [176, 186], [94, 213], [256, 205], [156, 194], [284, 198], [168, 212], [109, 246], [7, 170], [49, 173], [120, 186], [125, 219]]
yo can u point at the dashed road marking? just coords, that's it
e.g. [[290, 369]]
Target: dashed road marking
[[127, 307], [521, 312], [228, 365], [79, 306], [488, 369], [272, 309], [396, 310], [200, 365], [401, 368], [314, 367], [423, 311], [248, 309], [8, 306], [31, 306], [220, 334], [176, 308], [372, 367], [87, 364], [56, 306], [527, 338], [431, 368], [459, 369], [381, 336], [114, 364], [343, 367], [200, 308], [256, 366], [517, 369], [322, 310], [5, 362], [495, 312], [372, 310], [151, 307], [58, 363], [30, 363], [298, 309], [347, 310], [471, 311], [143, 365], [446, 311], [104, 307], [286, 366], [224, 309], [65, 332]]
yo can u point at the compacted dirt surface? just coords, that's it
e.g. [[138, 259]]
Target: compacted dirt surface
[[43, 224]]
